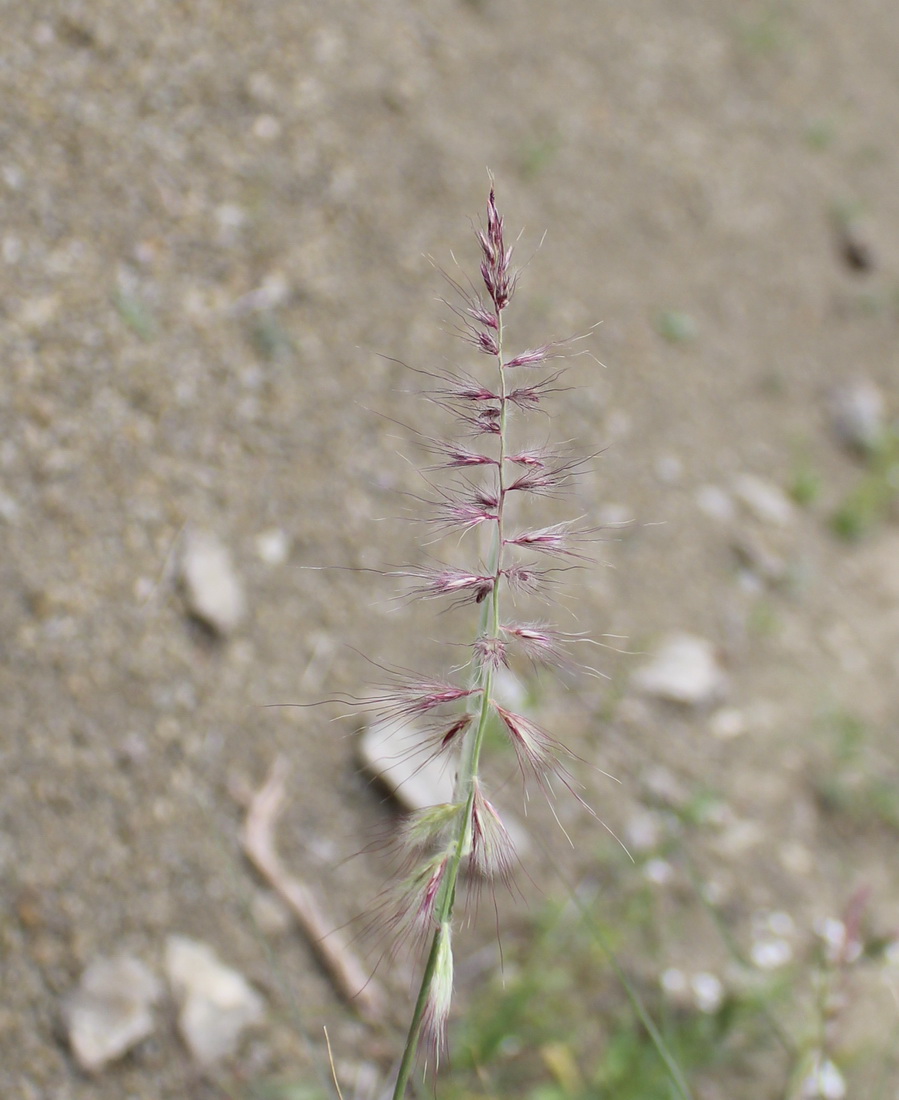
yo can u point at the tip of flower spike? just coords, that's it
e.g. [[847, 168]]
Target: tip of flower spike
[[496, 266]]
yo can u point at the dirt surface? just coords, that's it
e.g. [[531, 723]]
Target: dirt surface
[[215, 224]]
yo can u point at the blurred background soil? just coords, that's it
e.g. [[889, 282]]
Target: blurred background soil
[[216, 224]]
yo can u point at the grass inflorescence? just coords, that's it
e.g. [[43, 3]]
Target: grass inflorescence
[[478, 477]]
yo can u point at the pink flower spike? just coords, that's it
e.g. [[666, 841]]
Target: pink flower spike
[[526, 398], [547, 480], [490, 652], [492, 849], [414, 698], [472, 392], [416, 898], [530, 357], [556, 539], [486, 342], [458, 455], [482, 315], [452, 582], [529, 397], [449, 736], [487, 422], [538, 458], [536, 750], [468, 515], [496, 265], [525, 580], [538, 642]]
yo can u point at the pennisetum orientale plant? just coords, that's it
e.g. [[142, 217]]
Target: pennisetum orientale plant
[[489, 471]]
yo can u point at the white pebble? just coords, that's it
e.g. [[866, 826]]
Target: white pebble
[[766, 501], [111, 1011], [216, 1004], [212, 587], [266, 127], [727, 723], [396, 753], [273, 546], [858, 411], [684, 669], [715, 503]]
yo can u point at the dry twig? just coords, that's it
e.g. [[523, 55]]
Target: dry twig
[[258, 840]]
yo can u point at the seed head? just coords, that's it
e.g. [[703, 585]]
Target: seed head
[[429, 827], [496, 264], [492, 850], [454, 582], [415, 898], [440, 994], [410, 699]]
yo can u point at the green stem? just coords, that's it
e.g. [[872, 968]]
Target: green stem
[[471, 750]]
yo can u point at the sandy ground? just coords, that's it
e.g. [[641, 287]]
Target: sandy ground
[[216, 218]]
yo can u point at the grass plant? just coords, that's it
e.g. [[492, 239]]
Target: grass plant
[[481, 473]]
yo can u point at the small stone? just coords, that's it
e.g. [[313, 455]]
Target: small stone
[[397, 754], [212, 588], [216, 1004], [111, 1011], [768, 503], [669, 469], [266, 127], [727, 723], [714, 502], [858, 413], [273, 546], [684, 669]]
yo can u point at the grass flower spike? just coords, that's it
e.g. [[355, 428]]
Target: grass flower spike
[[487, 474]]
